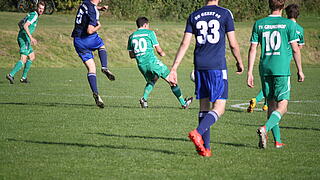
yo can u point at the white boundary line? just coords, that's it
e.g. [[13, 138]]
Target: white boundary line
[[239, 106]]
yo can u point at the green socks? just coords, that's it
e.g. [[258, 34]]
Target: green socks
[[177, 92], [16, 68], [276, 133], [273, 120], [273, 124], [147, 90], [260, 96], [26, 69]]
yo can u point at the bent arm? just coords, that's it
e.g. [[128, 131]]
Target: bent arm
[[131, 54], [92, 29], [160, 51]]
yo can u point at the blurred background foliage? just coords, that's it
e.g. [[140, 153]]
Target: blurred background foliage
[[176, 10]]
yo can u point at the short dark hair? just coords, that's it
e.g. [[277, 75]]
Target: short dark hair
[[141, 21], [42, 3], [276, 4], [292, 11]]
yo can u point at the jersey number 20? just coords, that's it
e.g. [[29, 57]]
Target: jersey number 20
[[139, 45], [213, 27]]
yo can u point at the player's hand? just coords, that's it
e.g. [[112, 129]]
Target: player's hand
[[172, 78], [250, 81], [162, 54], [300, 76], [240, 68], [33, 41], [103, 8]]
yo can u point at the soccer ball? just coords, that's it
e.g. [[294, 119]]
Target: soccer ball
[[192, 78]]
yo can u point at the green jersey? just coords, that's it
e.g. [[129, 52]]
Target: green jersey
[[300, 33], [32, 18], [142, 43], [275, 34]]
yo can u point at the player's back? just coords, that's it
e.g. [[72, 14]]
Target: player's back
[[275, 34], [209, 24], [142, 43], [31, 17], [87, 14]]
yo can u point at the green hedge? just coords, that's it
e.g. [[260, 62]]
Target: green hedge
[[177, 9]]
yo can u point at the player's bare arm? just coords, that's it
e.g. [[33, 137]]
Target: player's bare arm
[[102, 8], [251, 59], [184, 45], [235, 49], [92, 29], [297, 60], [26, 28], [160, 51]]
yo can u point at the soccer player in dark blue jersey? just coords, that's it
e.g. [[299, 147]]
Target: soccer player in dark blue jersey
[[86, 40], [210, 24]]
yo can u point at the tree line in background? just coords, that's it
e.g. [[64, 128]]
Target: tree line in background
[[175, 9]]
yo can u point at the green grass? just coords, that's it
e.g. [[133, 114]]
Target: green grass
[[55, 47], [51, 129]]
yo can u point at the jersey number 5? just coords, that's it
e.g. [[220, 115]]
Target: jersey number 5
[[79, 16], [212, 27]]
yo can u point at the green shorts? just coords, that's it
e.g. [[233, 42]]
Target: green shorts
[[149, 71], [24, 44], [276, 87]]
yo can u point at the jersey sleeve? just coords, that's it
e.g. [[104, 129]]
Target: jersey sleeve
[[292, 33], [254, 35], [189, 27], [300, 33], [154, 39], [229, 22], [32, 17], [92, 14]]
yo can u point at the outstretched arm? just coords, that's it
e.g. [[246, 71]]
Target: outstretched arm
[[184, 45], [235, 49], [251, 58]]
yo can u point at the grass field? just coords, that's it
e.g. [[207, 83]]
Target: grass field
[[51, 128]]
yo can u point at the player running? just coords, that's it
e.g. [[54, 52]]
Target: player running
[[210, 25], [141, 46], [275, 34], [25, 39], [292, 12], [86, 40]]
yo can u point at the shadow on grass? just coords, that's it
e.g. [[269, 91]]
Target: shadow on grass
[[170, 139], [56, 104], [92, 146], [287, 127]]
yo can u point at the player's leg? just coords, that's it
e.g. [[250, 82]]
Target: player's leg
[[27, 67], [92, 79], [184, 102], [146, 92], [104, 63], [16, 68]]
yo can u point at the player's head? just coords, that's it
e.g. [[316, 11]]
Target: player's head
[[276, 4], [40, 7], [142, 21], [292, 11]]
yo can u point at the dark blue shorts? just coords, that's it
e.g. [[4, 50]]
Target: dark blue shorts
[[212, 84], [85, 45]]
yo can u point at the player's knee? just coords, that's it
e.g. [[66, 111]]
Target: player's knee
[[102, 48]]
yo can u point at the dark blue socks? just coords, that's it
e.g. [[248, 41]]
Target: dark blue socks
[[92, 78], [103, 57], [204, 126]]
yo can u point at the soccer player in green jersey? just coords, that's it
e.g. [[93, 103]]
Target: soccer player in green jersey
[[292, 12], [25, 40], [141, 46], [276, 35]]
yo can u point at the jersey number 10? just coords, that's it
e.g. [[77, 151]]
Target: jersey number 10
[[273, 41]]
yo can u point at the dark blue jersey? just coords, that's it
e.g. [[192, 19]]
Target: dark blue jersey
[[209, 24], [87, 14]]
